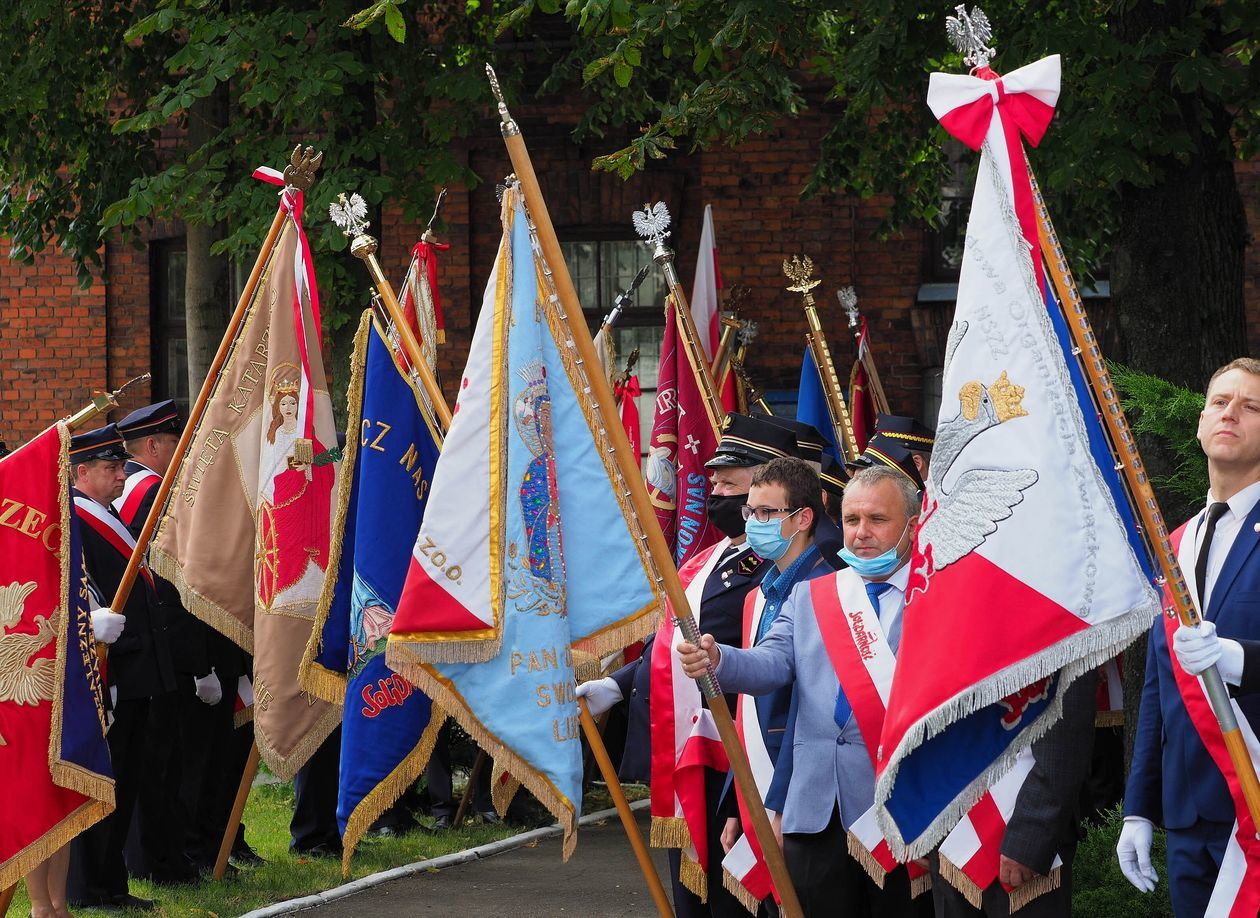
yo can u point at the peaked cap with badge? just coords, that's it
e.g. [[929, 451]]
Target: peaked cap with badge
[[748, 441], [102, 443], [810, 444], [160, 417]]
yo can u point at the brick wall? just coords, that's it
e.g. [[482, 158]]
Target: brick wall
[[59, 342]]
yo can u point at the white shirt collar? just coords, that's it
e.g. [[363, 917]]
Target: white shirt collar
[[1242, 503]]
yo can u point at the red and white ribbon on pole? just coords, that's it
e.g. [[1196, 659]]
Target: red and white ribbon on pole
[[1023, 101]]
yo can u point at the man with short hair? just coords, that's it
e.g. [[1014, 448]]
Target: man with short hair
[[783, 512], [1175, 779], [139, 664], [834, 631]]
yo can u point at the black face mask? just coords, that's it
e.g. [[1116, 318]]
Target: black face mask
[[725, 514]]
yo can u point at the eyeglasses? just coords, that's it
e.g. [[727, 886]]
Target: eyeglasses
[[765, 514]]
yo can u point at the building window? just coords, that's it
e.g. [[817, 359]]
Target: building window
[[600, 270], [170, 330]]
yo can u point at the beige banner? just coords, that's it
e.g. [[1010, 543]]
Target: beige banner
[[244, 535]]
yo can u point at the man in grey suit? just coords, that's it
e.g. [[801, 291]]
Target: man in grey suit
[[832, 780]]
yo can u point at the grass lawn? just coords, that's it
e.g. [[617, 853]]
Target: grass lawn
[[285, 876]]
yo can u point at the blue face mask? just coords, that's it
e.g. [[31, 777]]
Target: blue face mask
[[879, 566], [767, 539]]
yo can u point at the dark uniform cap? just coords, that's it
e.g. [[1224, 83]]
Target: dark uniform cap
[[833, 476], [906, 431], [161, 417], [889, 452], [102, 443], [748, 441], [809, 442]]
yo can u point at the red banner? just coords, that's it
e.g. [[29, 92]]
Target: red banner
[[682, 442], [52, 724]]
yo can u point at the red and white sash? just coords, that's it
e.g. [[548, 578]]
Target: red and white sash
[[139, 485], [111, 529], [971, 854], [684, 737], [1237, 890], [744, 870], [864, 662]]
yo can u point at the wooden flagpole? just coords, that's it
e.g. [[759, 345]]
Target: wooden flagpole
[[1142, 496], [364, 247], [474, 775], [636, 493], [623, 810], [6, 899], [238, 810], [300, 174]]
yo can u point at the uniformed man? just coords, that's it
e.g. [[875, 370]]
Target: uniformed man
[[746, 444], [189, 782], [900, 441], [139, 664]]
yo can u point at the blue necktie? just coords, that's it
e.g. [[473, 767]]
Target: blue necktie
[[874, 591]]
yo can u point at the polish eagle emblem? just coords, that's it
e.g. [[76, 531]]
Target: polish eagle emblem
[[23, 680], [957, 520]]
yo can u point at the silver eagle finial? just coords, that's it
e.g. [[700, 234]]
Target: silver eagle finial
[[747, 333], [652, 223], [970, 34], [848, 299], [350, 214]]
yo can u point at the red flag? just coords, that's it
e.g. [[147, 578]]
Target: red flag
[[861, 401], [53, 757], [682, 441]]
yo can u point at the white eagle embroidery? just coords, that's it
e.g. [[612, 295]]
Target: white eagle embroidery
[[23, 680], [961, 518]]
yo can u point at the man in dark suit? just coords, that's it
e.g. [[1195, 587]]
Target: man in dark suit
[[1044, 823], [746, 444], [1173, 779], [139, 665], [188, 748]]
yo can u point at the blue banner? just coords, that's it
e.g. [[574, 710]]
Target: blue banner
[[389, 726]]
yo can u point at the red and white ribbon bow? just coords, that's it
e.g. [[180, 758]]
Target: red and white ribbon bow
[[1024, 99]]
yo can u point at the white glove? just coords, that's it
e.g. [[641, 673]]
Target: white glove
[[600, 694], [107, 624], [1134, 852], [1198, 648], [209, 689]]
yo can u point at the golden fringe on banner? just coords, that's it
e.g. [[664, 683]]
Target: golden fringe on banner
[[383, 796], [669, 832], [318, 680], [954, 876], [1038, 886], [503, 788], [284, 767], [873, 867], [740, 892], [692, 877], [99, 790], [205, 609], [399, 658]]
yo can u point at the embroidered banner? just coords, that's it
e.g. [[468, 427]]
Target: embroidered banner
[[244, 535], [53, 754], [527, 546], [388, 728]]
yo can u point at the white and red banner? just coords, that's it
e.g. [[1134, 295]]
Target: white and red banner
[[744, 869], [684, 737], [1024, 571], [706, 304]]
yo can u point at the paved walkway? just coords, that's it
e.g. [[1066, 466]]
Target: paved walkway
[[601, 880]]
